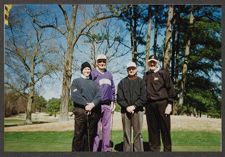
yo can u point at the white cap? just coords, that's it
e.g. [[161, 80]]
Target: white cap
[[153, 58], [101, 56], [131, 64]]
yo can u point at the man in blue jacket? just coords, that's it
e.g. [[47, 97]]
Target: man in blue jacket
[[86, 97]]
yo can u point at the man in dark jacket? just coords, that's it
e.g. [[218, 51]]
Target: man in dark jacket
[[86, 97], [131, 96], [160, 95]]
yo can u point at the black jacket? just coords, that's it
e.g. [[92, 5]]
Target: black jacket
[[131, 92], [159, 86]]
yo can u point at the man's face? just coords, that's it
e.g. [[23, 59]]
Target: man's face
[[152, 65], [131, 71], [86, 71], [101, 64]]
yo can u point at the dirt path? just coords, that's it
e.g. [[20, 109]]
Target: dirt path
[[177, 123]]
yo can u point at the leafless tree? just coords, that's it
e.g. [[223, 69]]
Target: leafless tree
[[28, 60], [107, 40], [72, 31]]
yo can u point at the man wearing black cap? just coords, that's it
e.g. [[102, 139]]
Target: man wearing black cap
[[160, 95], [86, 97]]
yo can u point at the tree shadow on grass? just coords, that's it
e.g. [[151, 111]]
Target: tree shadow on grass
[[23, 124]]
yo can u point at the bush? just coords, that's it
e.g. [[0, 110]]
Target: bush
[[40, 103], [53, 106]]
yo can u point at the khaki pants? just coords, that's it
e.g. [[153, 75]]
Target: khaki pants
[[134, 120]]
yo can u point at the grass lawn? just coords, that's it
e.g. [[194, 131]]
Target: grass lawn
[[61, 141]]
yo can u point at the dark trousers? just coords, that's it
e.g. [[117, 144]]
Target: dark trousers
[[158, 124], [84, 126], [134, 121]]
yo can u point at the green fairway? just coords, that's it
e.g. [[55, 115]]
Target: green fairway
[[61, 141]]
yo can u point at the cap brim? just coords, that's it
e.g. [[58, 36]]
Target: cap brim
[[101, 58], [131, 66], [152, 60]]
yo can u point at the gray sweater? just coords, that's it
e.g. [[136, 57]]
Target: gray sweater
[[85, 91]]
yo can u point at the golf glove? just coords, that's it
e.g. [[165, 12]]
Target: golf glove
[[89, 106], [130, 109], [168, 109], [113, 106]]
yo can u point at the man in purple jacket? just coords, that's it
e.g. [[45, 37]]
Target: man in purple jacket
[[104, 79]]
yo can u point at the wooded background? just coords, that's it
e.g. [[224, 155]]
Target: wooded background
[[47, 43]]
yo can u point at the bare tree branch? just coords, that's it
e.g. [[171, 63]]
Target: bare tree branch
[[65, 17], [92, 21], [49, 26], [74, 14]]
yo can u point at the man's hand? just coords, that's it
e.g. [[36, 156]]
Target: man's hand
[[89, 107], [130, 109], [113, 106], [168, 109]]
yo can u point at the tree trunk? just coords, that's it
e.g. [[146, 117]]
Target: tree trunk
[[176, 74], [148, 45], [29, 106], [67, 74], [177, 48], [131, 31], [175, 42], [176, 54], [133, 25], [173, 49], [93, 51], [32, 89], [156, 29], [186, 60], [135, 33], [167, 48]]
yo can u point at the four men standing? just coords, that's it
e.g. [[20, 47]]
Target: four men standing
[[155, 92]]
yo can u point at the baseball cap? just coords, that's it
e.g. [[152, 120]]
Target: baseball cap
[[101, 56], [131, 64], [152, 58]]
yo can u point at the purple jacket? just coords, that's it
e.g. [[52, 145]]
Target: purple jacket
[[106, 85]]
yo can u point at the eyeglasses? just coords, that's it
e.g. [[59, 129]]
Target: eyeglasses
[[101, 61]]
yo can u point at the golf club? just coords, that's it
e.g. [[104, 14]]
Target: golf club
[[88, 132], [111, 142], [131, 132]]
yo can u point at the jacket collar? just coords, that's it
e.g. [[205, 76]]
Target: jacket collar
[[100, 70], [84, 77]]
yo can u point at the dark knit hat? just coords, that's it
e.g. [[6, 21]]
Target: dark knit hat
[[84, 65]]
